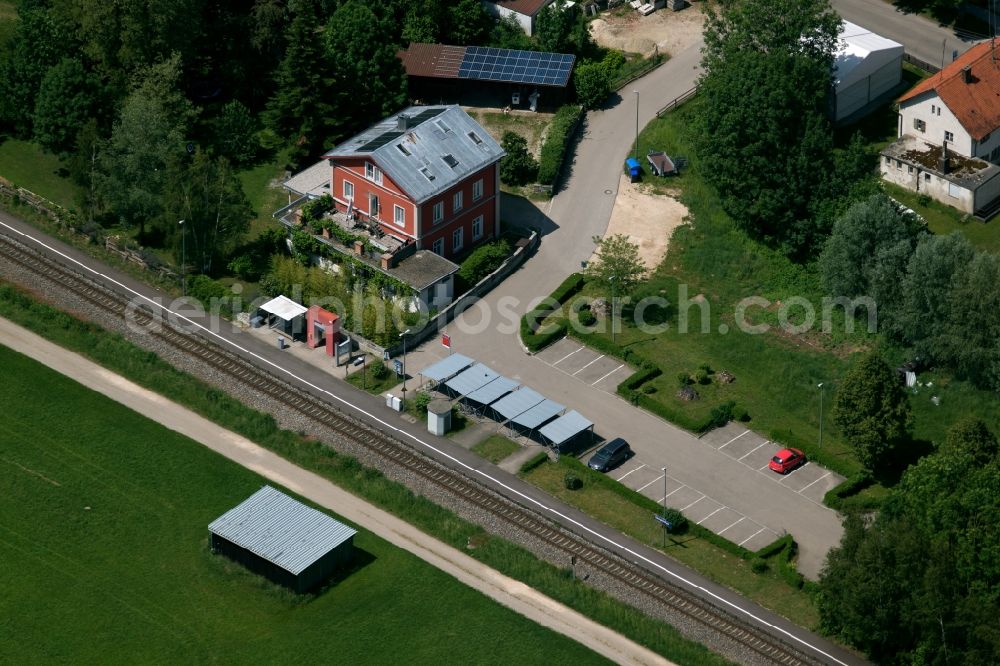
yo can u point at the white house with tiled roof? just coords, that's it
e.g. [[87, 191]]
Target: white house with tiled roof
[[949, 134], [523, 11]]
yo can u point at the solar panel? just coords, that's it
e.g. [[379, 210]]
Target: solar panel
[[426, 115], [509, 66], [379, 141]]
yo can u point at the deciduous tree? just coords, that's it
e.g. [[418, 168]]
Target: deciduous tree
[[517, 167], [617, 265], [67, 98]]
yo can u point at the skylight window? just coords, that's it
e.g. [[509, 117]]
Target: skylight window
[[450, 160], [403, 149], [427, 174], [475, 138]]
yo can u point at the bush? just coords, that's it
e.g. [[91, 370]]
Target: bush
[[649, 389], [592, 82], [204, 289], [517, 167], [683, 379], [556, 142], [678, 523], [422, 400], [572, 481], [587, 318], [835, 497], [379, 371], [484, 260], [534, 461], [758, 565], [702, 378], [721, 414]]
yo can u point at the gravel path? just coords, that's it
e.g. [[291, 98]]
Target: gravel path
[[507, 591]]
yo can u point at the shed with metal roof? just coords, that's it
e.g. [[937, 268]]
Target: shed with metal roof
[[283, 540]]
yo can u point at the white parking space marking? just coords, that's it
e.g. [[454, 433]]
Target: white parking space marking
[[693, 503], [711, 514], [788, 475], [588, 365], [609, 374], [763, 468], [757, 447], [672, 492], [733, 439], [816, 481], [629, 472], [568, 355], [742, 518], [751, 536], [659, 478]]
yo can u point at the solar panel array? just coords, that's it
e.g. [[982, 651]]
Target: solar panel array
[[379, 141], [505, 65]]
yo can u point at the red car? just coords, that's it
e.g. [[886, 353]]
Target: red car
[[785, 460]]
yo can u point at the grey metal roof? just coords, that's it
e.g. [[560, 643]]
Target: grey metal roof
[[475, 377], [447, 367], [517, 402], [538, 414], [565, 427], [281, 530], [493, 391], [427, 158]]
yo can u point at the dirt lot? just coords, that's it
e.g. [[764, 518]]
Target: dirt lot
[[668, 31], [648, 219]]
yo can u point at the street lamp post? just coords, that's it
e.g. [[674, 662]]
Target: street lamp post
[[403, 336], [612, 281], [664, 505], [183, 258], [820, 387], [636, 123]]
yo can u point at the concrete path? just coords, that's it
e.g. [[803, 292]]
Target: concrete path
[[507, 591]]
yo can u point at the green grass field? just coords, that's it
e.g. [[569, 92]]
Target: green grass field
[[103, 541], [495, 448], [27, 165]]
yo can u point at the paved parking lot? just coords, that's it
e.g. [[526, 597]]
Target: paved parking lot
[[747, 447], [587, 365], [695, 505]]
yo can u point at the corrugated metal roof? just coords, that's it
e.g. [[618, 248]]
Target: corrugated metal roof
[[493, 391], [517, 402], [281, 530], [432, 60], [538, 414], [565, 427], [447, 367], [475, 377], [856, 45], [430, 157]]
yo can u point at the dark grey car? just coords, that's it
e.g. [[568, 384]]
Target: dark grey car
[[610, 455]]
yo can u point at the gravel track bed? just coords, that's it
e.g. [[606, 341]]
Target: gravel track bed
[[61, 298]]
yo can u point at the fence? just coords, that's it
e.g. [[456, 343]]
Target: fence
[[921, 64], [677, 101]]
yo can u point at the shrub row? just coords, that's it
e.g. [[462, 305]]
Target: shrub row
[[556, 142], [835, 497], [530, 335], [534, 461]]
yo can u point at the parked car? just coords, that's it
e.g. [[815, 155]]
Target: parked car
[[610, 455], [785, 460]]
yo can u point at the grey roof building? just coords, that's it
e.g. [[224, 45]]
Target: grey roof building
[[282, 539]]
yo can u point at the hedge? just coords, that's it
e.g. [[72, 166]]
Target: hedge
[[835, 497], [556, 141], [534, 461], [553, 330]]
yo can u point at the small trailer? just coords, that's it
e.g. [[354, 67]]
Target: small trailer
[[661, 164]]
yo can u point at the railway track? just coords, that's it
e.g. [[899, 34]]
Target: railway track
[[632, 577]]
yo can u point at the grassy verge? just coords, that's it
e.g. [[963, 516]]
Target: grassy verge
[[362, 378], [942, 219], [495, 448], [102, 477], [148, 370], [630, 512], [25, 164], [257, 184]]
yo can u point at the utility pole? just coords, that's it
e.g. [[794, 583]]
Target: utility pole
[[612, 280], [183, 258], [403, 336], [664, 506], [820, 387], [636, 124]]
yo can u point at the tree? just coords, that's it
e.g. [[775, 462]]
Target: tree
[[517, 167], [617, 264], [592, 83], [850, 257], [873, 412], [928, 284], [468, 23], [971, 437], [970, 342], [67, 98], [236, 133], [561, 29], [507, 34]]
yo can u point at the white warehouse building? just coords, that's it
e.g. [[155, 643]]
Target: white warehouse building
[[867, 68]]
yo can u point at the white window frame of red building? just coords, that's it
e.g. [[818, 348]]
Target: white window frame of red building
[[438, 247], [348, 190], [477, 228], [372, 197], [438, 214], [477, 190], [457, 240], [457, 202], [373, 173], [399, 215]]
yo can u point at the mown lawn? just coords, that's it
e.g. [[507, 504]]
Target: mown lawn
[[25, 164], [943, 219], [257, 184], [495, 448], [614, 509], [105, 557]]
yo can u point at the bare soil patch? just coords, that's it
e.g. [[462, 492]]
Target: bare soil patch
[[648, 219], [664, 30]]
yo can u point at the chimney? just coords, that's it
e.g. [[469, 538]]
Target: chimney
[[359, 247], [402, 122], [967, 74], [387, 262], [943, 162]]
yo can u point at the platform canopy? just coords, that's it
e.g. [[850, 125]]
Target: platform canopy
[[474, 378], [493, 391], [538, 414], [283, 307], [565, 428], [517, 402], [447, 367]]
